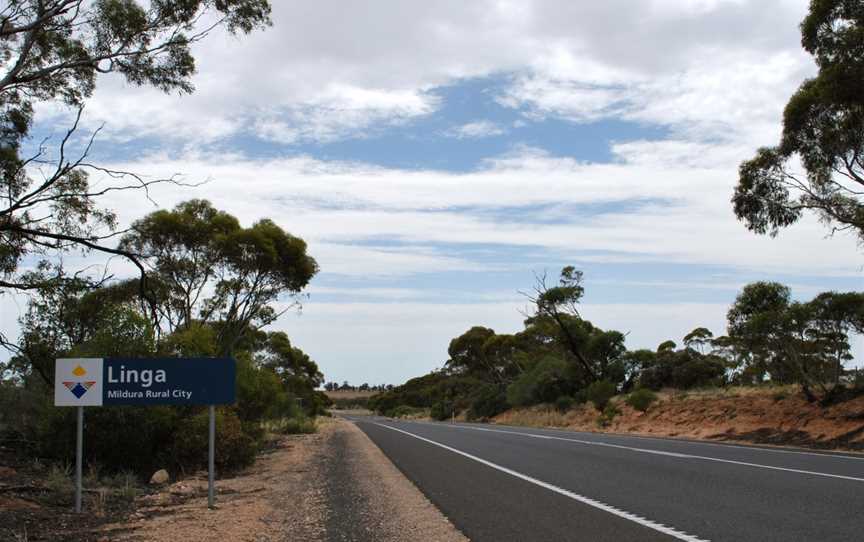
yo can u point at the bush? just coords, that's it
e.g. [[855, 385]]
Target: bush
[[564, 403], [487, 401], [599, 393], [442, 410], [608, 415], [234, 448], [300, 425], [549, 379], [405, 411], [641, 399], [580, 397]]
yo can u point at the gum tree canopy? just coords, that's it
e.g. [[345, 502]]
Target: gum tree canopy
[[52, 51], [823, 126]]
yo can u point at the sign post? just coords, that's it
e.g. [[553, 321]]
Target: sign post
[[211, 460], [79, 449], [81, 382]]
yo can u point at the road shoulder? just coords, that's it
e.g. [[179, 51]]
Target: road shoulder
[[371, 499]]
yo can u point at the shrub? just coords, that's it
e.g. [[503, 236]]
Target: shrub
[[442, 410], [547, 381], [641, 399], [608, 415], [405, 411], [299, 425], [119, 437], [599, 393], [564, 403], [487, 401], [234, 448]]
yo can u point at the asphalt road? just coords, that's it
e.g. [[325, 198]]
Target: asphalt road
[[499, 483]]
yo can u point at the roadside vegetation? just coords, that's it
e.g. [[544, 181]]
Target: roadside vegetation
[[204, 285], [564, 361], [212, 286]]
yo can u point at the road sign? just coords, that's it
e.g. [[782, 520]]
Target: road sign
[[152, 381], [81, 382]]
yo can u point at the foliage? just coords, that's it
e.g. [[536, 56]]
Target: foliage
[[564, 403], [207, 269], [600, 392], [52, 51], [70, 316], [234, 447], [823, 126], [769, 338], [681, 369], [297, 425], [795, 342], [405, 411], [442, 410], [608, 415], [487, 401], [641, 399], [544, 383]]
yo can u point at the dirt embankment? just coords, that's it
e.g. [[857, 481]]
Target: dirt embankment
[[764, 416], [334, 485]]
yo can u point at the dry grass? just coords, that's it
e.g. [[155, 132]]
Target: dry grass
[[767, 415]]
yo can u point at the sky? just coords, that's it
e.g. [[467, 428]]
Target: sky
[[437, 155]]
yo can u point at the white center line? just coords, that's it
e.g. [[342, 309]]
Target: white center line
[[675, 533], [659, 452]]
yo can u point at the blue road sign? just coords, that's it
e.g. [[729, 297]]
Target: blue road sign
[[150, 381]]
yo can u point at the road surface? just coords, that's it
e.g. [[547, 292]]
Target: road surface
[[498, 483]]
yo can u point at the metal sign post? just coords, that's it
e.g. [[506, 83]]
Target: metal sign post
[[81, 382], [79, 453], [211, 460]]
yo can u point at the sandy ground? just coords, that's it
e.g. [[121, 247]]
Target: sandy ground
[[761, 416], [333, 485]]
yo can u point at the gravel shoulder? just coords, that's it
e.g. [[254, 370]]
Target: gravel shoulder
[[335, 485], [371, 500]]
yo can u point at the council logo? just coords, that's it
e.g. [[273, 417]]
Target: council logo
[[78, 388]]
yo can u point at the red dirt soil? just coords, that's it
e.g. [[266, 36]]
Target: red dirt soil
[[779, 416]]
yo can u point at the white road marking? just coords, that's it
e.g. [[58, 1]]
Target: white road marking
[[835, 455], [739, 446], [675, 533], [659, 452]]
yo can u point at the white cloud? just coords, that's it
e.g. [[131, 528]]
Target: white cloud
[[475, 130], [327, 70], [675, 212]]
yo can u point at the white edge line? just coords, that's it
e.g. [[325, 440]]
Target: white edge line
[[680, 535], [660, 452], [827, 454]]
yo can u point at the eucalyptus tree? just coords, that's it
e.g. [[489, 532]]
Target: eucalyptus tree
[[823, 126], [796, 342], [53, 51], [213, 272]]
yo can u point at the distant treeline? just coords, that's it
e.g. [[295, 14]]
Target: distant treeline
[[562, 358], [345, 386]]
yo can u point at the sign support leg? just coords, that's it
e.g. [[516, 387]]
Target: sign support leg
[[79, 451], [211, 460]]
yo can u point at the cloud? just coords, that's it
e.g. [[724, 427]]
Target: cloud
[[475, 130], [674, 211], [718, 95], [328, 71]]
